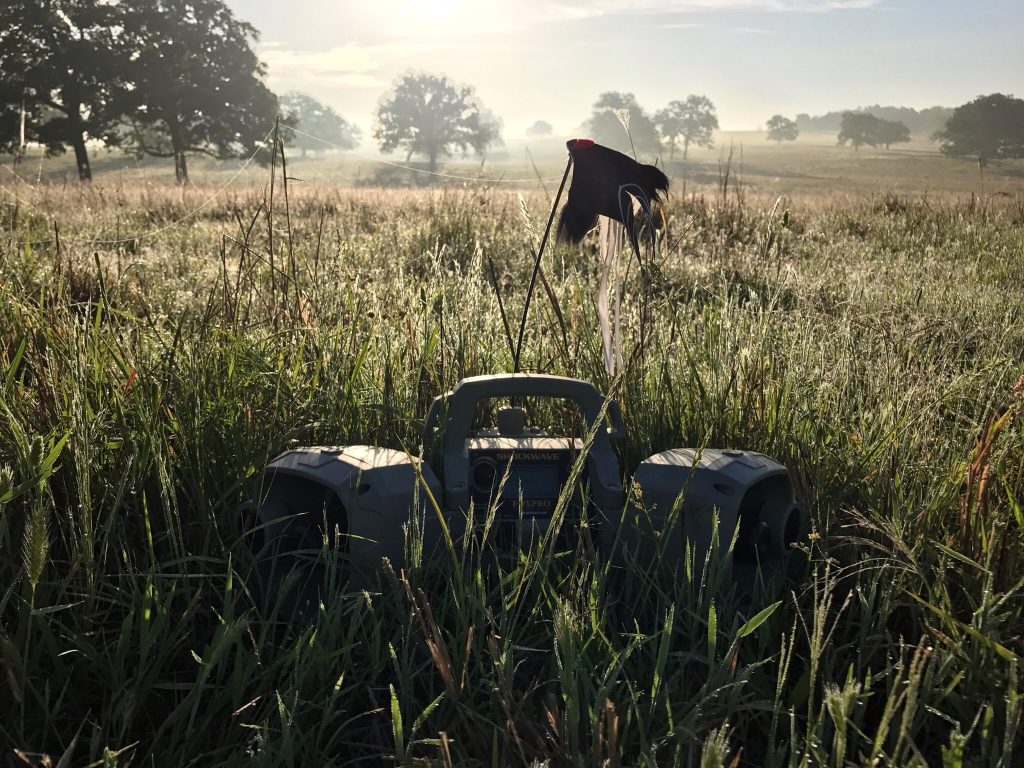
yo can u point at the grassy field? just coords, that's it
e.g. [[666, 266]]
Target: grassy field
[[870, 338]]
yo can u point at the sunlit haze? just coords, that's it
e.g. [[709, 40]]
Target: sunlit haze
[[532, 60]]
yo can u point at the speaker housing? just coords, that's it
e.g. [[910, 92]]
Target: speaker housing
[[679, 494], [356, 500]]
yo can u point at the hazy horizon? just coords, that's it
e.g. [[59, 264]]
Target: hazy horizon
[[540, 61]]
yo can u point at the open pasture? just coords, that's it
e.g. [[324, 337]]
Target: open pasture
[[811, 169], [868, 335]]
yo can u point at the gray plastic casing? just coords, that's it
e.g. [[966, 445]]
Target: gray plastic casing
[[733, 484], [379, 489]]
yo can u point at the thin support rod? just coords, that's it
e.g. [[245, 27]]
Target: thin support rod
[[536, 267]]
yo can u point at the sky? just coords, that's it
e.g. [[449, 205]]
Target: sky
[[531, 60]]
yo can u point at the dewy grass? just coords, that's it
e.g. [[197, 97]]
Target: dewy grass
[[872, 347]]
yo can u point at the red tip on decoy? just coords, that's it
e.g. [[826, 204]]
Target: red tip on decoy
[[574, 144]]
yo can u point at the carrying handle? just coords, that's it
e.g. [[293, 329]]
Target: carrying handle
[[461, 402]]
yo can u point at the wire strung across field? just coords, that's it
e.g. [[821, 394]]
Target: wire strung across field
[[246, 164], [478, 179], [164, 228]]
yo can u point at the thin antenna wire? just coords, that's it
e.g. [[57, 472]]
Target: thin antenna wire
[[481, 179]]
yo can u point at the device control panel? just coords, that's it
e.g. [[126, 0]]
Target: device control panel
[[523, 476]]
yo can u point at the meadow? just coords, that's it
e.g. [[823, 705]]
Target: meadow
[[861, 325]]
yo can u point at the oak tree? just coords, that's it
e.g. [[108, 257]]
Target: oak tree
[[61, 64], [618, 121], [318, 119], [432, 116], [692, 121], [860, 128], [200, 84], [781, 129], [989, 127]]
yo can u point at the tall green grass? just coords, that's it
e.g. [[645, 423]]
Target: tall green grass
[[875, 347]]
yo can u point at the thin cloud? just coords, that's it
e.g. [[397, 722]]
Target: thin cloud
[[624, 7], [349, 59], [483, 19], [351, 66], [723, 27]]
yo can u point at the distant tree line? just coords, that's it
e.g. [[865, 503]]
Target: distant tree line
[[855, 128], [921, 122], [429, 115], [989, 127]]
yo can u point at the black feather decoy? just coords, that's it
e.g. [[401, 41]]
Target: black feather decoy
[[602, 182]]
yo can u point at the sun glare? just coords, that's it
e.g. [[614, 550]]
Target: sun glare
[[437, 8]]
